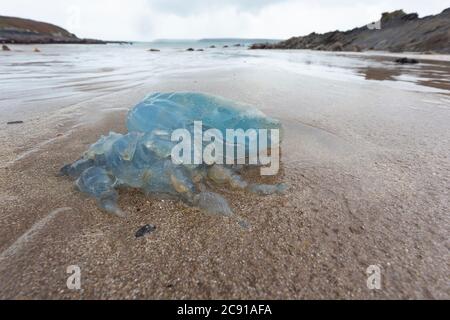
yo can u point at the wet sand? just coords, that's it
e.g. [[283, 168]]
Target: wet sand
[[369, 175]]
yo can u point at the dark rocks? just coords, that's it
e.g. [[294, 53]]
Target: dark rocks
[[122, 43], [145, 230], [5, 48], [190, 49], [400, 32], [320, 48], [337, 46], [91, 41], [154, 50], [406, 61], [397, 18], [257, 46], [14, 122], [36, 50], [200, 50], [226, 46], [212, 47]]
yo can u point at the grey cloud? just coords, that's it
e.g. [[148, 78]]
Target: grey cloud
[[188, 7]]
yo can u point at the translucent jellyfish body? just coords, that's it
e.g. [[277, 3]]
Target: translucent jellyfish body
[[144, 157]]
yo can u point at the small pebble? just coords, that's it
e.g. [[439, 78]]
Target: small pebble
[[407, 61], [15, 122], [244, 224], [145, 230]]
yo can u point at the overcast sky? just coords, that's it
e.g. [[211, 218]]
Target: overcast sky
[[142, 20]]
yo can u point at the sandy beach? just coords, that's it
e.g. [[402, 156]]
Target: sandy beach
[[365, 155]]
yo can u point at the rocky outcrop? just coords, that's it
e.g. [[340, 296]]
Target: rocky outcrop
[[406, 61], [24, 31], [396, 32]]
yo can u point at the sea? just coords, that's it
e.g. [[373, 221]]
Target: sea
[[59, 72]]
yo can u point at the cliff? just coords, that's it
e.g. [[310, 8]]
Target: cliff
[[24, 31], [396, 32]]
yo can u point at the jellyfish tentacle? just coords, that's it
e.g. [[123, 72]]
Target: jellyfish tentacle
[[75, 169], [213, 203], [222, 175], [267, 189], [110, 206], [97, 183]]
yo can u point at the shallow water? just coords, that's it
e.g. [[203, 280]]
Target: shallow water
[[78, 72], [81, 83]]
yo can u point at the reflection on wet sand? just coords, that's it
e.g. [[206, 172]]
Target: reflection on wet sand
[[429, 73], [379, 74], [438, 84]]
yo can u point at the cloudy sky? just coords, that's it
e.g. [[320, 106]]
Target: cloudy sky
[[142, 20]]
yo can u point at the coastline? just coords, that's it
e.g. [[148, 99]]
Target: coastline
[[368, 171], [396, 31]]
